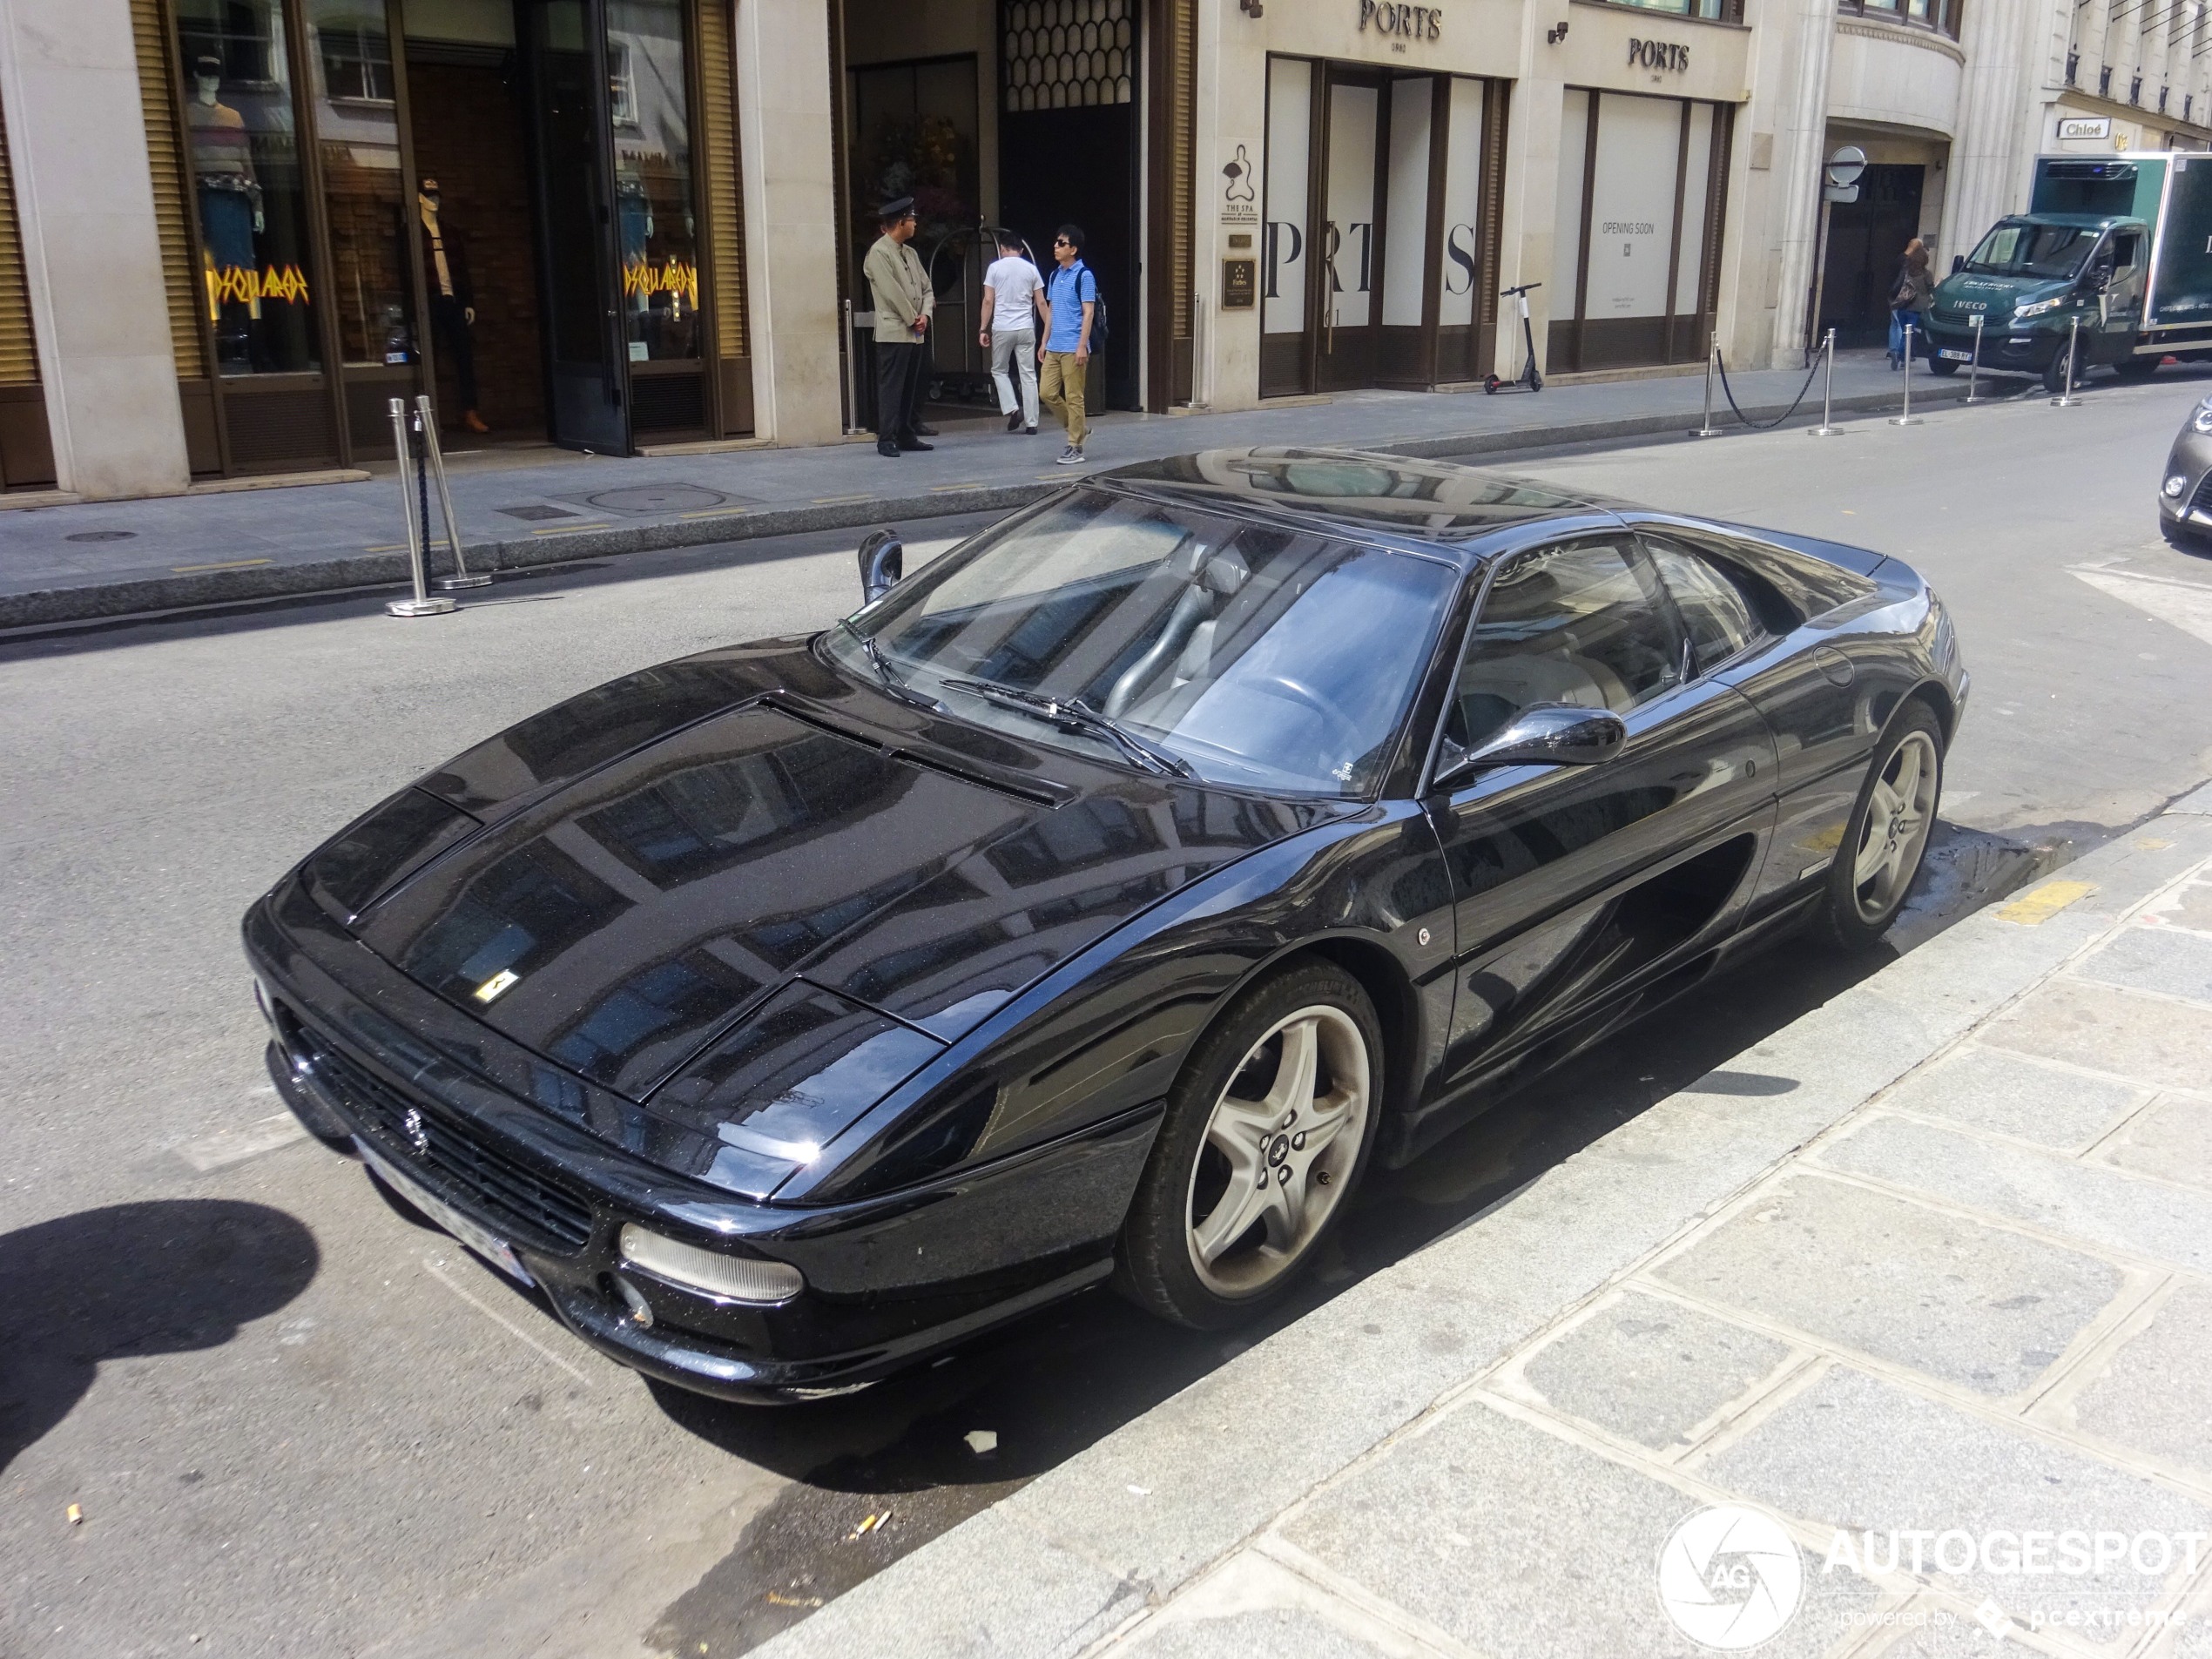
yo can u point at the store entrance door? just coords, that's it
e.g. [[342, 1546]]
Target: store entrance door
[[564, 45], [1867, 242], [1350, 249]]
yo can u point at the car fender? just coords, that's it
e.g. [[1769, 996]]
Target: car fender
[[1107, 1031]]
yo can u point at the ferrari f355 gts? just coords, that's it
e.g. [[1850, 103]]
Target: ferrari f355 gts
[[1099, 903]]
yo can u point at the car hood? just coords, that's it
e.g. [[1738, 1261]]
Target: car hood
[[764, 899]]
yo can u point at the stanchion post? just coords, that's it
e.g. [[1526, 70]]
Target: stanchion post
[[1973, 367], [1828, 428], [2067, 399], [460, 578], [1907, 418], [852, 383], [1709, 430], [424, 603]]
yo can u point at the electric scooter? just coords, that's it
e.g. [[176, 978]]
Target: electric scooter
[[1528, 380]]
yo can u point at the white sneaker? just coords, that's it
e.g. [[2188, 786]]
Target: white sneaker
[[1070, 456]]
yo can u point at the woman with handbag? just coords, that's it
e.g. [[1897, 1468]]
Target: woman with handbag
[[1910, 291]]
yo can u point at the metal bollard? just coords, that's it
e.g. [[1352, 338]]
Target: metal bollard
[[1828, 428], [1709, 430], [852, 384], [424, 603], [2067, 400], [1907, 418], [1973, 368], [460, 578]]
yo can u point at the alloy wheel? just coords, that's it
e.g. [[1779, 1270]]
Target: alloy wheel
[[1280, 1146], [1901, 813]]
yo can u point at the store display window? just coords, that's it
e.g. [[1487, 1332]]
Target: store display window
[[365, 196], [242, 135], [649, 110]]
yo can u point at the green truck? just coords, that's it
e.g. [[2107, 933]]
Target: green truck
[[2120, 246]]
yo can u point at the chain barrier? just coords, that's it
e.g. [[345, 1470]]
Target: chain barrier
[[1762, 425]]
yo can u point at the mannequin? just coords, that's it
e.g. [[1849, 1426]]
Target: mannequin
[[230, 194], [453, 308]]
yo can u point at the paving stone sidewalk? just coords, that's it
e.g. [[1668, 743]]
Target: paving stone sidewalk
[[90, 560], [1936, 1260]]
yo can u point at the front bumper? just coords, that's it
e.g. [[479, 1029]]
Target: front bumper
[[364, 1055], [2026, 351]]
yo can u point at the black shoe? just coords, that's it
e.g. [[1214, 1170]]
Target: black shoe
[[914, 443], [1028, 432], [884, 447], [921, 431], [1014, 421]]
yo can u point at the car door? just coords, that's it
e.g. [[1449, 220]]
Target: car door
[[1571, 884], [1810, 692]]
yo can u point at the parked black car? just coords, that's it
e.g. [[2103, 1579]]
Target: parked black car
[[1099, 902]]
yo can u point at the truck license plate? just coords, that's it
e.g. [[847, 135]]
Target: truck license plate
[[1956, 356]]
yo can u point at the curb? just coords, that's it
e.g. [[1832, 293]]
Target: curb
[[1063, 1564], [149, 596]]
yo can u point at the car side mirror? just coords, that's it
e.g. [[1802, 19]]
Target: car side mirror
[[1546, 734], [1958, 263], [883, 564]]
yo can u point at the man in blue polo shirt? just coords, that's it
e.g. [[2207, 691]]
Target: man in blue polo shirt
[[1070, 299]]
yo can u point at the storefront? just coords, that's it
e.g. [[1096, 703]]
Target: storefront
[[1378, 238], [1642, 190], [515, 211]]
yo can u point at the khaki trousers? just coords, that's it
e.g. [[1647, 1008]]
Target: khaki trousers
[[1061, 389]]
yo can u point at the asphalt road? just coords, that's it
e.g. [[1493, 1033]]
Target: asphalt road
[[294, 1420]]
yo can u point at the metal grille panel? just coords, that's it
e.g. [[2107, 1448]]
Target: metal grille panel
[[1068, 54]]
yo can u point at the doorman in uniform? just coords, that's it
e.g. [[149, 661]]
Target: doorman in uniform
[[453, 303], [904, 304]]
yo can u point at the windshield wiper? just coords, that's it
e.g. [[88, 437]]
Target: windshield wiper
[[897, 687], [1073, 714]]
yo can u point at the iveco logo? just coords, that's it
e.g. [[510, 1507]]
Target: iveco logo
[[417, 1137], [1972, 305]]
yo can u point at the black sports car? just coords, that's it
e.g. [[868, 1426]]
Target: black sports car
[[1100, 901]]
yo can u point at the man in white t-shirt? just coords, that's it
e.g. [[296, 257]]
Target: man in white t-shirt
[[1010, 288]]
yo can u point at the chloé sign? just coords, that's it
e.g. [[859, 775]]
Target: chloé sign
[[1408, 23]]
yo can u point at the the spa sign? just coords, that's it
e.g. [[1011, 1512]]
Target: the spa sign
[[1401, 23], [1659, 54]]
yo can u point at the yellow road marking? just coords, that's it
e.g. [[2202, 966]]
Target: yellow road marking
[[571, 529], [226, 564], [387, 547], [717, 512], [835, 501], [2041, 904], [939, 490]]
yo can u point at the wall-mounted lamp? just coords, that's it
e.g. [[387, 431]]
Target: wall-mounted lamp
[[1251, 8], [1553, 36]]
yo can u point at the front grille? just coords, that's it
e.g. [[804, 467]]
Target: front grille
[[2201, 498], [512, 1200]]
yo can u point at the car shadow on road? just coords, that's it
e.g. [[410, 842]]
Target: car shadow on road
[[167, 1276]]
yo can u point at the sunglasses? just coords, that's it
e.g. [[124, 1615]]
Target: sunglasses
[[1062, 241]]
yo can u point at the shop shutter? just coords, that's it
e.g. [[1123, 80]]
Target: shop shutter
[[18, 348], [724, 186], [149, 25]]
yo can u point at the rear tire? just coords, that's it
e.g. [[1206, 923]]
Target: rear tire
[[1267, 1132], [2135, 370], [1886, 836]]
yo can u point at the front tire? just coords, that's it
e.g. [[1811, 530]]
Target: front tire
[[1942, 367], [2054, 374], [1266, 1134], [1886, 836]]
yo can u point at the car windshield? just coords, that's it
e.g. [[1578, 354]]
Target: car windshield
[[2019, 248], [1167, 638]]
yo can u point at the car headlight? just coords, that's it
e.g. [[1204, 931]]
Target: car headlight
[[734, 1278], [2173, 487], [2036, 308], [2202, 420]]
